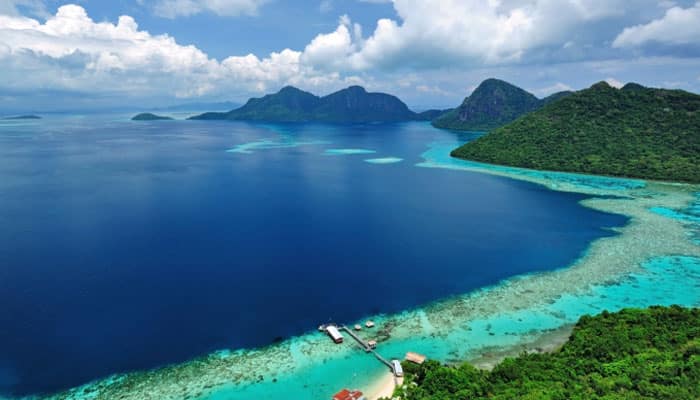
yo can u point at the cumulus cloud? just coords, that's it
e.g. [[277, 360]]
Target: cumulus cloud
[[70, 51], [176, 8], [423, 51], [679, 26], [472, 32], [614, 83]]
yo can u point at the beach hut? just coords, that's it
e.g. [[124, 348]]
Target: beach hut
[[415, 358], [396, 366], [369, 324], [346, 394], [372, 344], [358, 327], [334, 333]]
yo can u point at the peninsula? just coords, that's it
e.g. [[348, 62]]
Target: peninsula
[[634, 132]]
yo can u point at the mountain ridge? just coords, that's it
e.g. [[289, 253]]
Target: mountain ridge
[[290, 104]]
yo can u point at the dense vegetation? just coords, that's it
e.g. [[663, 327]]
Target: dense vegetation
[[290, 104], [632, 354], [149, 117], [633, 132], [494, 103]]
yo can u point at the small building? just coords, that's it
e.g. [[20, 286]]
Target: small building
[[358, 327], [372, 344], [369, 324], [334, 333], [415, 358], [346, 394], [396, 366]]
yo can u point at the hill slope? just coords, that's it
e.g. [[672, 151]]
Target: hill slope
[[632, 132], [632, 354], [290, 104], [494, 103]]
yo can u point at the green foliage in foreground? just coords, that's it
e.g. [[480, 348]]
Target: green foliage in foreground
[[632, 354], [633, 132]]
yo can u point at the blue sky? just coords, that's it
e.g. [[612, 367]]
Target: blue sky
[[431, 53]]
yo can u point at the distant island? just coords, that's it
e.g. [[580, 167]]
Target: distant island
[[493, 103], [290, 104], [23, 117], [150, 117], [634, 132], [632, 354]]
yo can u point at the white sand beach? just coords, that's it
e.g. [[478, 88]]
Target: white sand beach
[[383, 387]]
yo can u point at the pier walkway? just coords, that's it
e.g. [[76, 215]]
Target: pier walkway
[[368, 348]]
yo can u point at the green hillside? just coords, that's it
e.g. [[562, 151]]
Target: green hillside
[[631, 132], [647, 354], [494, 103], [353, 104]]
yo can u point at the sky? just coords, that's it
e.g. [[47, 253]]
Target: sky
[[102, 54]]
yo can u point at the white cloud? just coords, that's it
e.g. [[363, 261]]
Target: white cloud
[[431, 50], [176, 8], [471, 32], [678, 26], [70, 51], [325, 6], [331, 51], [614, 83], [557, 87]]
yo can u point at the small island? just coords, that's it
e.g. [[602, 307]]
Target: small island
[[22, 117], [150, 117]]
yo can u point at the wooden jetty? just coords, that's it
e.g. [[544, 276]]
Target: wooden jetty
[[333, 331], [369, 348]]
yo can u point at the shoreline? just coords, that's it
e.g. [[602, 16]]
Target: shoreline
[[554, 340], [382, 387], [485, 325], [548, 342]]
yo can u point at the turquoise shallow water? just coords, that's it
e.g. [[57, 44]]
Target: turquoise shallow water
[[662, 281], [653, 260]]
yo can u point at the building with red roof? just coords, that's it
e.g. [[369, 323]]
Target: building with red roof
[[346, 394]]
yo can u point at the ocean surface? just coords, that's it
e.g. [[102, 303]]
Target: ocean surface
[[130, 245]]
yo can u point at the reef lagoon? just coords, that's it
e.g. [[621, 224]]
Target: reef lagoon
[[562, 245]]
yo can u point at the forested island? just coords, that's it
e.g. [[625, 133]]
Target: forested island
[[29, 116], [635, 132], [150, 117], [353, 104], [632, 354]]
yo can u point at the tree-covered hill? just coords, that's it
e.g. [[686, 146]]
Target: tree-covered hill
[[493, 103], [631, 132], [649, 354], [149, 117], [353, 104]]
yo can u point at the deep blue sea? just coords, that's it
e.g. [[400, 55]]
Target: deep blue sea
[[128, 245]]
